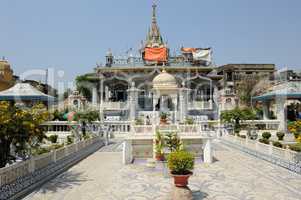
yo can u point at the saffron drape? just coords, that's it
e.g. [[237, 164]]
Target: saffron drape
[[156, 54]]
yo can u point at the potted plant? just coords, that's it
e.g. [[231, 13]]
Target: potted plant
[[172, 141], [180, 164], [295, 128], [159, 145], [280, 135], [163, 118]]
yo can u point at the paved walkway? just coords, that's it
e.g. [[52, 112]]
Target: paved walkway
[[234, 176]]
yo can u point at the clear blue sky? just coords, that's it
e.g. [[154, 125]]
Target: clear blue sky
[[72, 35]]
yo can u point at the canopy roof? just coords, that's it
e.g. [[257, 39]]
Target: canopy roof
[[24, 91], [288, 90]]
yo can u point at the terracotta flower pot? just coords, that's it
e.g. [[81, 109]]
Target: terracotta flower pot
[[181, 180], [163, 121], [160, 157]]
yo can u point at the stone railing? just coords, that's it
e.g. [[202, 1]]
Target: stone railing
[[22, 177], [181, 130], [118, 127], [64, 128], [265, 124], [284, 157]]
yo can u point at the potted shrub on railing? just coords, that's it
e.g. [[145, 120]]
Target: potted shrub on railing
[[159, 146], [280, 135], [53, 138], [180, 164], [266, 135], [163, 118]]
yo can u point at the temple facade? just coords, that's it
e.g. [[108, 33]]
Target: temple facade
[[154, 83]]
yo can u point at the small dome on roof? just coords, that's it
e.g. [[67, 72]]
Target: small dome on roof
[[164, 80]]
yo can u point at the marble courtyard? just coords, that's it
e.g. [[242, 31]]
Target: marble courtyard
[[233, 175]]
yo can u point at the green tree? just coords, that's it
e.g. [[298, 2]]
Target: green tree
[[20, 127], [245, 89], [84, 85], [237, 115]]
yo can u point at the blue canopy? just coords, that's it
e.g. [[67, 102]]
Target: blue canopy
[[24, 92], [289, 91]]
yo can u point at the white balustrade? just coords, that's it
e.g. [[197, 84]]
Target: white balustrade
[[281, 153], [11, 173]]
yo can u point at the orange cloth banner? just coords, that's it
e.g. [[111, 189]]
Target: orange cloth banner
[[156, 54], [188, 50]]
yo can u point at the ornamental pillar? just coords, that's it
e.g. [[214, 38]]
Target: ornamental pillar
[[281, 113], [175, 102], [155, 101], [94, 96], [208, 152], [183, 108], [265, 109], [132, 101]]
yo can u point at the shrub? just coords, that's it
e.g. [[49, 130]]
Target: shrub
[[172, 141], [264, 140], [280, 135], [266, 135], [56, 146], [69, 140], [159, 143], [53, 138], [189, 121], [277, 144], [180, 162], [86, 137], [139, 122], [295, 147], [40, 151]]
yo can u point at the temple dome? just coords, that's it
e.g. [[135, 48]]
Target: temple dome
[[164, 80]]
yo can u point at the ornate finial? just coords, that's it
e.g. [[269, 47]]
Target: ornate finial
[[154, 11]]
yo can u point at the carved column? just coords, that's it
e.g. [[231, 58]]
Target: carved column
[[155, 101], [281, 113], [132, 101], [175, 102], [94, 96], [208, 152], [266, 108], [183, 108]]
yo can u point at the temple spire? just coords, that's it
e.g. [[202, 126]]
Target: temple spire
[[154, 38]]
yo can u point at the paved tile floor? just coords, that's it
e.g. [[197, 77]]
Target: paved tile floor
[[234, 176]]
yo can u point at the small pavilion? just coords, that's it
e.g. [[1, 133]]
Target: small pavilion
[[24, 93], [280, 95]]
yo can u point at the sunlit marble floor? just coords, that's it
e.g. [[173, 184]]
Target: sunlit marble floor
[[233, 176]]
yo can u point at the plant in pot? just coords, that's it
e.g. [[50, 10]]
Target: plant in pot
[[159, 146], [163, 118], [280, 135], [172, 141], [180, 164]]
